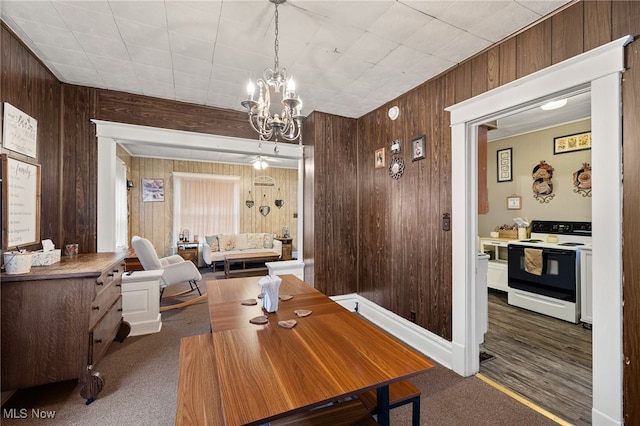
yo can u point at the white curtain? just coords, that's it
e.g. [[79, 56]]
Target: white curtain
[[121, 207], [206, 204]]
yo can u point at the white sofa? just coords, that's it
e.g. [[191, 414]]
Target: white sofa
[[215, 247]]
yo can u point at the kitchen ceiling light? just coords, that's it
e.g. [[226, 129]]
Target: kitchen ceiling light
[[260, 164], [394, 112], [288, 123], [554, 104]]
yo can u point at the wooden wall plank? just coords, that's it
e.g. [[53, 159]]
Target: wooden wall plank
[[597, 24], [533, 51], [567, 36], [508, 55], [479, 74]]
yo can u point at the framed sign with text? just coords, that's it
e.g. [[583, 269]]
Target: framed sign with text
[[19, 131]]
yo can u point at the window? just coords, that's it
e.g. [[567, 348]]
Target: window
[[205, 204]]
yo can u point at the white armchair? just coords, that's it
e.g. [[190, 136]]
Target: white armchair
[[175, 271]]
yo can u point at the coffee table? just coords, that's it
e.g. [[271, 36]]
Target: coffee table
[[249, 262]]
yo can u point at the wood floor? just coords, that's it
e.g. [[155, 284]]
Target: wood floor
[[543, 359]]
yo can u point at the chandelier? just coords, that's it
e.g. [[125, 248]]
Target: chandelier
[[287, 123]]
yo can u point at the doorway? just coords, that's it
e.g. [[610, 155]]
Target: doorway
[[600, 71]]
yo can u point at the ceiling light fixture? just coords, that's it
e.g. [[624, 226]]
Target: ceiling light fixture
[[286, 124], [260, 164], [554, 104]]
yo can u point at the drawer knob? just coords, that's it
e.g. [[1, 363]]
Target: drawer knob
[[98, 340], [95, 308], [110, 275], [99, 283], [116, 270]]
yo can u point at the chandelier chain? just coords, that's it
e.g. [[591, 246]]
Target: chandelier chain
[[276, 45]]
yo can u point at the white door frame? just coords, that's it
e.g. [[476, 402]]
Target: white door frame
[[599, 71]]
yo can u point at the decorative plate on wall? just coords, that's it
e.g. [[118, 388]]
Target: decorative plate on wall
[[396, 168]]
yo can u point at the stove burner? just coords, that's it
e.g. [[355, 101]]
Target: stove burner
[[571, 244], [530, 241]]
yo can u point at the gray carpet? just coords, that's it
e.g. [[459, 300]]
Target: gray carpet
[[141, 380]]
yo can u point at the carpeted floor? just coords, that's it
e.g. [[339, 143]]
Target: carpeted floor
[[141, 380]]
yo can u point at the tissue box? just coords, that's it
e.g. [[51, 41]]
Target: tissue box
[[45, 258]]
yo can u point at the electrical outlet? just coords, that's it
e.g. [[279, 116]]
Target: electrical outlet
[[295, 215], [413, 316]]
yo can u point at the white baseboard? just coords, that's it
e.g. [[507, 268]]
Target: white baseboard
[[424, 341], [599, 418]]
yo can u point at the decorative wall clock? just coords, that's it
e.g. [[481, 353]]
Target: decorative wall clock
[[396, 168]]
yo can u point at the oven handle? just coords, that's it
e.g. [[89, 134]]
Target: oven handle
[[545, 250]]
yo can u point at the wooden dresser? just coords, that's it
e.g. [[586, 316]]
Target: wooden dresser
[[58, 321]]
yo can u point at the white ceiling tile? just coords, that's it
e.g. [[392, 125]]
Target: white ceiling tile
[[191, 47], [187, 94], [399, 22], [42, 13], [153, 88], [108, 48], [78, 75], [372, 48], [87, 19], [542, 7], [148, 12], [72, 58], [143, 55], [434, 35], [402, 58], [191, 22], [357, 14], [504, 22], [161, 75], [143, 35], [112, 66], [98, 6], [432, 8], [48, 35], [190, 81], [462, 47], [465, 14]]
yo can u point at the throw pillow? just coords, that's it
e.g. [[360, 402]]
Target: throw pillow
[[227, 242], [255, 241], [212, 241], [268, 241]]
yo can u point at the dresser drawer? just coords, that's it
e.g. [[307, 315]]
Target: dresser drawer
[[109, 276], [104, 332], [104, 300]]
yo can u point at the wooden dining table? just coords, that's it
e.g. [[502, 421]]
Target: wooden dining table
[[266, 371]]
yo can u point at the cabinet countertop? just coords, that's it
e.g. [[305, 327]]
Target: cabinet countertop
[[81, 265]]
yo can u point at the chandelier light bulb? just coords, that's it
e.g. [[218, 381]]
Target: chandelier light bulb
[[251, 88]]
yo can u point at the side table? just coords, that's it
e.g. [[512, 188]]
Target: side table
[[189, 251], [286, 248]]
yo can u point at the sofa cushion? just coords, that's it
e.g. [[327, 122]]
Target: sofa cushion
[[241, 242], [227, 242], [268, 241], [212, 241], [255, 240]]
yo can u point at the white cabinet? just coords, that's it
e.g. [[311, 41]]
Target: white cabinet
[[586, 286], [497, 250]]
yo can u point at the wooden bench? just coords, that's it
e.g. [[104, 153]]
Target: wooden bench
[[199, 401], [400, 393]]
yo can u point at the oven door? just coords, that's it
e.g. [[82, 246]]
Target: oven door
[[558, 278]]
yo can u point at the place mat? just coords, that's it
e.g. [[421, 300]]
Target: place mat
[[287, 323], [262, 319], [302, 312], [285, 297], [249, 302]]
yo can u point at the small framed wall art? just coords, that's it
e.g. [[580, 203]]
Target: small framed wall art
[[379, 158], [417, 148], [514, 202], [152, 190], [396, 146], [504, 165], [570, 143]]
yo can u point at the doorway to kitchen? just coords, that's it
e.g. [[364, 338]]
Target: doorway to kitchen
[[531, 351], [598, 70]]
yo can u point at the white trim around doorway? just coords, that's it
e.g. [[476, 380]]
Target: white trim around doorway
[[599, 71]]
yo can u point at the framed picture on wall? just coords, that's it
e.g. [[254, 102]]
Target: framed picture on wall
[[152, 190], [514, 202], [570, 143], [504, 165], [379, 159], [417, 148]]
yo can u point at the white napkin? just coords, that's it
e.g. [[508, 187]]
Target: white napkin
[[270, 285]]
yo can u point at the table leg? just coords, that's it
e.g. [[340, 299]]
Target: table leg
[[383, 405]]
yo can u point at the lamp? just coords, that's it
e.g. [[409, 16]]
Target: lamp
[[286, 124], [554, 104]]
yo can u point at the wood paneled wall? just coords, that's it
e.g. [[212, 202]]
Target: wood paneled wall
[[372, 234], [154, 220], [331, 216]]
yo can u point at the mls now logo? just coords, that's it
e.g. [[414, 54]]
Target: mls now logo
[[23, 413]]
